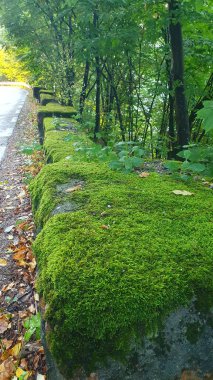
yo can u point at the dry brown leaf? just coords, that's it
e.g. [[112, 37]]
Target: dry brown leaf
[[3, 263], [19, 255], [4, 324], [74, 188], [144, 175], [104, 227], [23, 314], [8, 287], [7, 369], [32, 264], [6, 344], [182, 192], [24, 363], [21, 263], [32, 309]]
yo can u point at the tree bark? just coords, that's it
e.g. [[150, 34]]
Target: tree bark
[[176, 41], [97, 98], [98, 81], [84, 88]]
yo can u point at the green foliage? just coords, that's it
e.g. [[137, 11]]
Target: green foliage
[[33, 327], [30, 149], [58, 40], [128, 157], [197, 160], [206, 113]]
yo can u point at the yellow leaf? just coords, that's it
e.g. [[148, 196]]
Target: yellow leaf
[[19, 372], [182, 192], [74, 188], [144, 174], [3, 263], [16, 349]]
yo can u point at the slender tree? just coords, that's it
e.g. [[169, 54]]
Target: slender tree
[[176, 40]]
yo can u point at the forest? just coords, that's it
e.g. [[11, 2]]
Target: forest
[[118, 174], [136, 71]]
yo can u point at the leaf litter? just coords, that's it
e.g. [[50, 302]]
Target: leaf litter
[[20, 358]]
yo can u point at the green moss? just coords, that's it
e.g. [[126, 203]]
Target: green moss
[[45, 91], [60, 144], [101, 285], [57, 110], [47, 98], [130, 253], [50, 110]]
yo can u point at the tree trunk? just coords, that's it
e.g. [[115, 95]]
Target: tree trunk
[[98, 82], [83, 90], [181, 112]]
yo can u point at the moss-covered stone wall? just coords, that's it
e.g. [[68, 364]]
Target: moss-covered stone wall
[[117, 253]]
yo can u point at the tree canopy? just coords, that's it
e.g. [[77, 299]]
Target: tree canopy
[[135, 70]]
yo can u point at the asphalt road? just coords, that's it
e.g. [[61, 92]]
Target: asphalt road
[[11, 102]]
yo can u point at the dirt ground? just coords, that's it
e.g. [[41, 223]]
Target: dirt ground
[[21, 351]]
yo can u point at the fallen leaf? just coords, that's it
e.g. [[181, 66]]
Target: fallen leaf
[[32, 265], [3, 263], [10, 237], [40, 377], [23, 374], [144, 175], [182, 192], [32, 309], [19, 372], [21, 263], [8, 287], [4, 324], [104, 227], [19, 255], [6, 343], [74, 188], [7, 369], [8, 229], [14, 351], [23, 363], [36, 297], [23, 314]]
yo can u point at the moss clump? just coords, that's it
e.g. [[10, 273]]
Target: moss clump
[[44, 91], [50, 110], [47, 98], [133, 253], [60, 143]]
